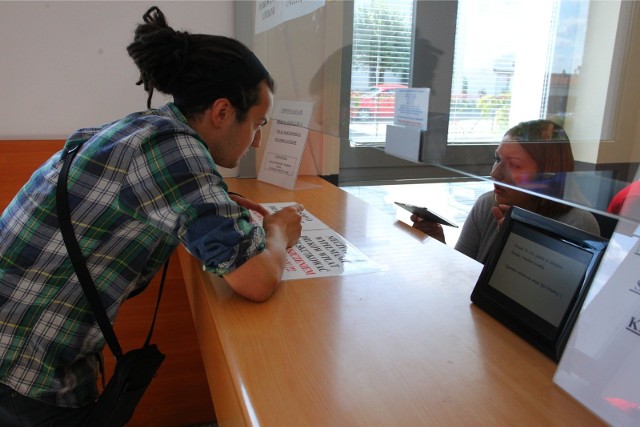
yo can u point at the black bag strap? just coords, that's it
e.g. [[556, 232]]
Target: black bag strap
[[79, 263]]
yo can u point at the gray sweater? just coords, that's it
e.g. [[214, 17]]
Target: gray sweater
[[480, 228]]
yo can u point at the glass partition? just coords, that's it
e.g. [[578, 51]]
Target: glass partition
[[490, 65]]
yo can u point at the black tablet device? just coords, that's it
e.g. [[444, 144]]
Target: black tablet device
[[537, 277], [426, 214]]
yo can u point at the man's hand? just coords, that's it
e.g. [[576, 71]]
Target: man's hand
[[249, 204], [287, 221], [258, 278]]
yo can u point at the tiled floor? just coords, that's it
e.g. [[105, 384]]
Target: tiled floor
[[453, 200]]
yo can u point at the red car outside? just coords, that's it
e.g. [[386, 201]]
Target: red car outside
[[376, 103]]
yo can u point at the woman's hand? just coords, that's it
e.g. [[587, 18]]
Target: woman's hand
[[430, 228], [499, 213]]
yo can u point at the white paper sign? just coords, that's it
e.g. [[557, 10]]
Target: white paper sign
[[412, 107], [600, 364], [403, 142], [271, 13], [320, 251], [285, 144]]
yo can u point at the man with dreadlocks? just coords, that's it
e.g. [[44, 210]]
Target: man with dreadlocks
[[137, 188]]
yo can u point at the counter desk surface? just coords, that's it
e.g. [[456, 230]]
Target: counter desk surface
[[403, 346]]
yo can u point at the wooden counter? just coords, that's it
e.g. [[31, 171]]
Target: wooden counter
[[399, 347]]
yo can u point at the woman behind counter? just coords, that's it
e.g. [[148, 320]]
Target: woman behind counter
[[535, 155]]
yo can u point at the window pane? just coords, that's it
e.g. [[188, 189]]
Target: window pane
[[380, 64], [514, 60]]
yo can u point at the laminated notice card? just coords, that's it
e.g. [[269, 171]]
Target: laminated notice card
[[412, 107], [600, 366], [285, 144], [320, 251]]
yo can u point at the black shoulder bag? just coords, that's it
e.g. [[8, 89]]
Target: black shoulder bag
[[134, 369]]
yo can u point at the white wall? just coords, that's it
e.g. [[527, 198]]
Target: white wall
[[64, 64]]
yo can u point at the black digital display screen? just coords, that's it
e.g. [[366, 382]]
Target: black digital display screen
[[537, 276]]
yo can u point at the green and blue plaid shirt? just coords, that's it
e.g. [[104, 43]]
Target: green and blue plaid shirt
[[137, 188]]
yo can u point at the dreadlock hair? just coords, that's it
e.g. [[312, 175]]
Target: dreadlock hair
[[196, 69], [548, 145]]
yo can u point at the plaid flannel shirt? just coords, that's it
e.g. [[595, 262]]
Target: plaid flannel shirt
[[137, 188]]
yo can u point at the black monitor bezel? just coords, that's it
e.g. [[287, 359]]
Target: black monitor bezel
[[548, 338]]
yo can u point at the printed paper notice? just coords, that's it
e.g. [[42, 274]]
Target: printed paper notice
[[412, 108], [309, 221], [271, 13], [285, 144], [320, 251]]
